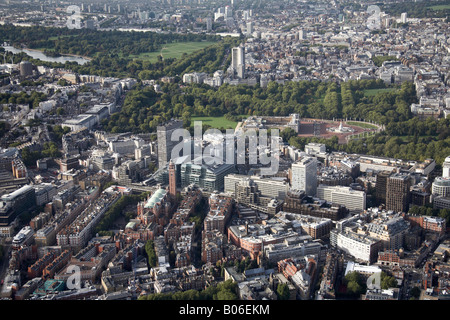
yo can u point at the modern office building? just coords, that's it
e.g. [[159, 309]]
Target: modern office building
[[275, 187], [208, 177], [165, 144], [441, 187], [297, 202], [345, 196], [404, 17], [391, 231], [313, 148], [441, 202], [287, 249], [15, 203], [238, 61], [381, 185], [248, 194], [26, 68], [397, 192], [208, 24], [304, 175], [302, 35], [362, 247], [315, 227], [446, 168]]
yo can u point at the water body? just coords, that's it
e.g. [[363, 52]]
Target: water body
[[36, 54]]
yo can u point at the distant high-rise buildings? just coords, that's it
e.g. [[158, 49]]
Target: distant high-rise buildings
[[249, 30], [208, 24], [404, 17], [302, 34], [304, 175], [26, 68], [165, 144], [238, 61], [228, 12]]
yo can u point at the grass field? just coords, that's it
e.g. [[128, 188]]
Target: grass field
[[373, 92], [440, 7], [173, 50], [215, 122], [361, 124]]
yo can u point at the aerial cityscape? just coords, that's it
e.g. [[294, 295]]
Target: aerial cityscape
[[233, 150]]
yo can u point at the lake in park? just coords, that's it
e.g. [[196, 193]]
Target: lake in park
[[36, 54]]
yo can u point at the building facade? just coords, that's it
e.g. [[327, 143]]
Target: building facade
[[304, 175]]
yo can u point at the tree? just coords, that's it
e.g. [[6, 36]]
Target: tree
[[354, 288], [186, 117], [151, 254], [225, 295], [355, 283], [283, 292], [414, 293], [387, 281], [288, 133]]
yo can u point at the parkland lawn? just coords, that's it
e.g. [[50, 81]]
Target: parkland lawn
[[216, 122], [173, 50]]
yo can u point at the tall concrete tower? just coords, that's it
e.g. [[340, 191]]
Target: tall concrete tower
[[165, 144], [238, 61], [304, 175]]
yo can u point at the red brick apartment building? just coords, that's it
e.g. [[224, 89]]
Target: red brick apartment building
[[434, 224]]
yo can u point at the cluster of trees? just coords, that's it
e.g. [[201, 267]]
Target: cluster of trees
[[239, 265], [57, 131], [31, 83], [89, 42], [226, 290], [116, 211], [209, 59], [114, 53], [31, 100], [152, 259], [429, 211], [356, 283], [144, 109], [4, 127], [283, 292], [416, 127], [417, 9], [141, 112], [414, 293], [382, 144], [49, 149], [199, 215], [383, 107], [378, 60], [406, 136], [396, 147]]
